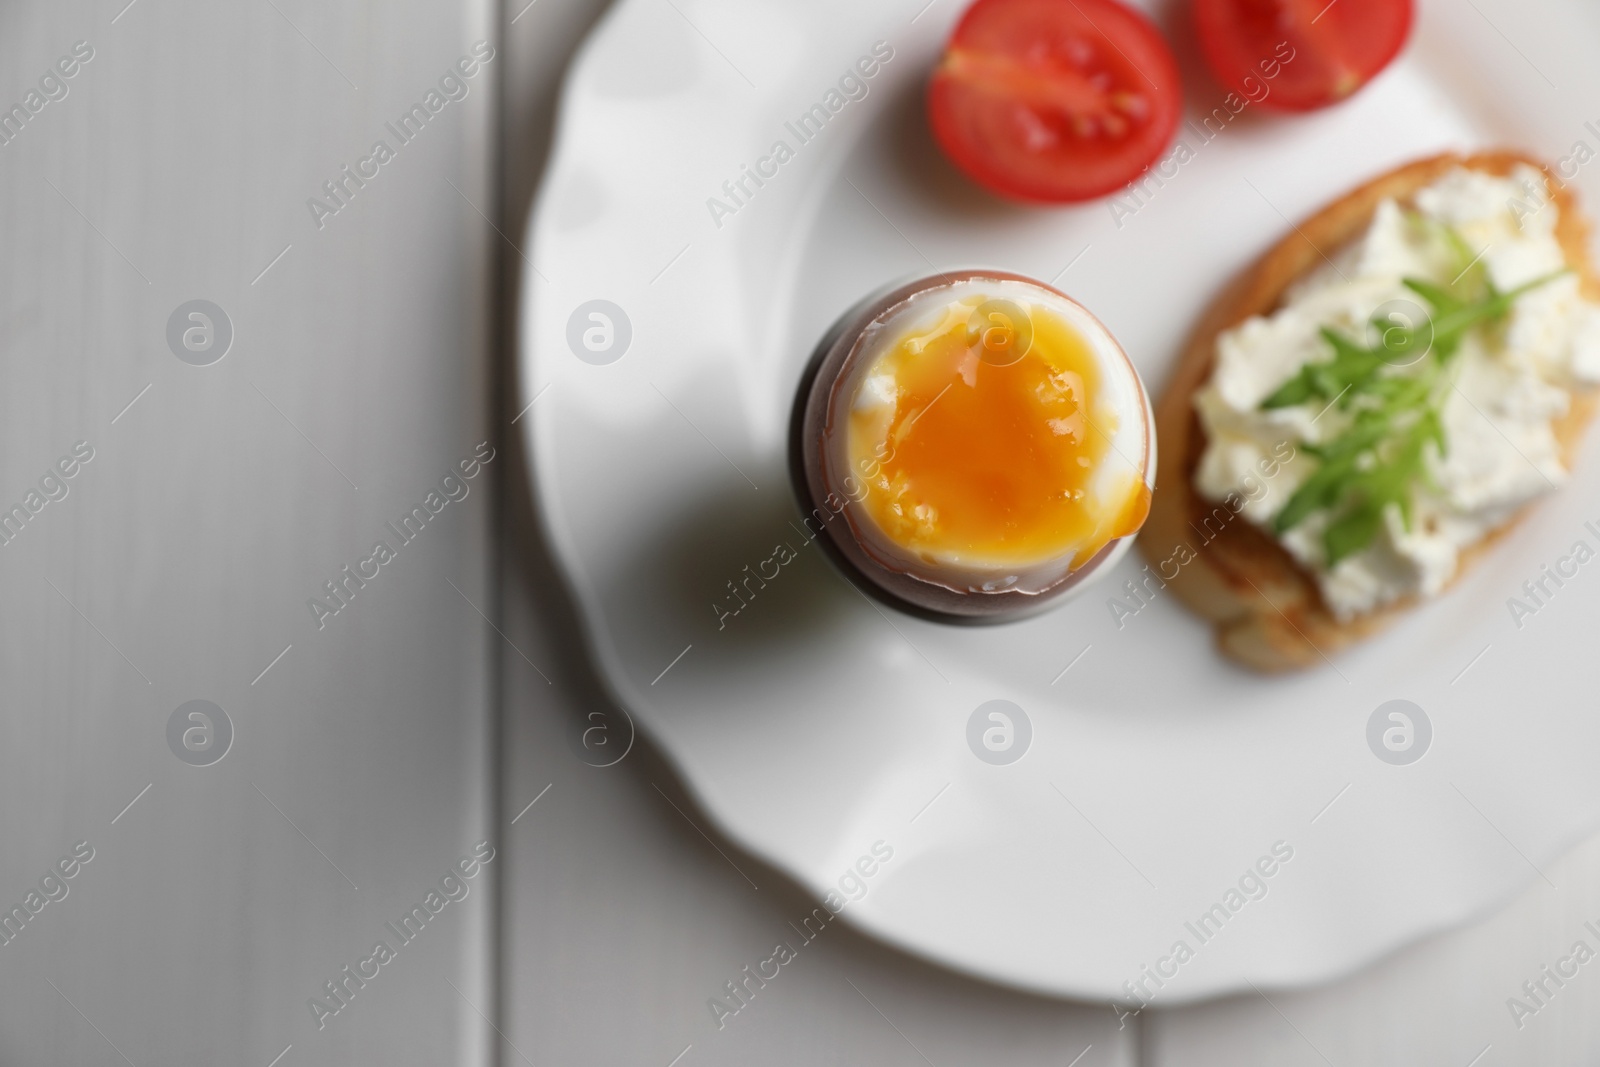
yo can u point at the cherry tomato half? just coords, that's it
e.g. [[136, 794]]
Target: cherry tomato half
[[1054, 100], [1307, 53]]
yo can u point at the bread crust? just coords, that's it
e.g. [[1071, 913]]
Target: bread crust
[[1267, 610]]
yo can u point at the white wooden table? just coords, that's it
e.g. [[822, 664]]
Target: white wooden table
[[375, 747], [174, 163]]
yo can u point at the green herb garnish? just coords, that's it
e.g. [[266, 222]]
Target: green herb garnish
[[1396, 390]]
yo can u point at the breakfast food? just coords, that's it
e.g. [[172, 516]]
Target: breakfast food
[[1054, 101], [1373, 403], [1336, 48], [973, 445]]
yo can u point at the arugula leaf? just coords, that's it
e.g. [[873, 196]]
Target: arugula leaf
[[1330, 482], [1453, 319], [1391, 479], [1353, 531], [1351, 365], [1381, 458], [1442, 299], [1292, 393]]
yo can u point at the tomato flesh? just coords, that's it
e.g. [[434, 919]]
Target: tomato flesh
[[1054, 100], [1307, 54]]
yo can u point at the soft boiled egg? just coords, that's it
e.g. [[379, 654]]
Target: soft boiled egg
[[987, 443]]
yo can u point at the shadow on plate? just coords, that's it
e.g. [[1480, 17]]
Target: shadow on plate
[[735, 565]]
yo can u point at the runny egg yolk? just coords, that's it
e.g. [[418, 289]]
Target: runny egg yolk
[[975, 460]]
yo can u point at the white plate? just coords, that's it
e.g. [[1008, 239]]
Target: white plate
[[813, 724]]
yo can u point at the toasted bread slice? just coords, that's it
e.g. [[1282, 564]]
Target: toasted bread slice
[[1268, 610]]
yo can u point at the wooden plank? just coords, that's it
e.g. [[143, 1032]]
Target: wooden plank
[[1447, 1000], [175, 164]]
